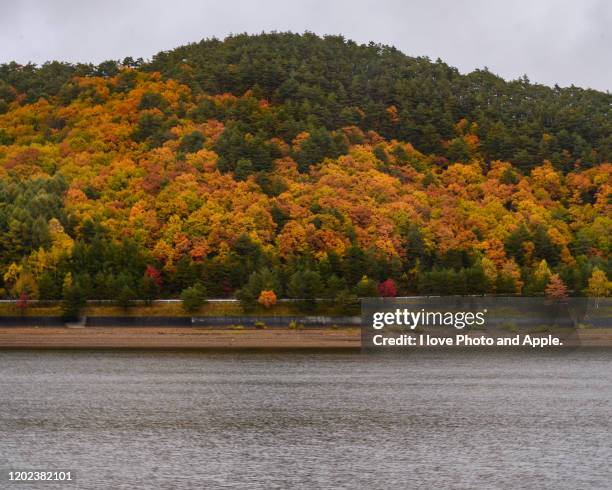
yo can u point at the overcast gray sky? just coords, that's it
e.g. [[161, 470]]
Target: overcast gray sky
[[552, 41]]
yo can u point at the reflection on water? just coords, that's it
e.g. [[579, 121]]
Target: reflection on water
[[310, 420]]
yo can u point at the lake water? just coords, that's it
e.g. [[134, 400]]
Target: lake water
[[469, 419]]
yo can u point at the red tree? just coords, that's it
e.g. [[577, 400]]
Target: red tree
[[22, 302], [387, 289], [556, 289], [154, 274]]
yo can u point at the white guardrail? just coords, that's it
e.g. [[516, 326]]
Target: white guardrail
[[177, 300]]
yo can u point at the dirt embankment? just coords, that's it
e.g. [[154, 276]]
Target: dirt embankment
[[176, 338], [207, 338]]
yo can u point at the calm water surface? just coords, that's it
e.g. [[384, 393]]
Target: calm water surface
[[478, 419]]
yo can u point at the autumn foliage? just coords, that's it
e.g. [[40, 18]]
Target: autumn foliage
[[133, 181], [556, 289], [267, 298], [387, 289]]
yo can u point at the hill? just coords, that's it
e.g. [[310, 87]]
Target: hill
[[331, 82], [308, 166]]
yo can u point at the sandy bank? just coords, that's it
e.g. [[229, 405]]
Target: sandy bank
[[176, 338], [205, 338]]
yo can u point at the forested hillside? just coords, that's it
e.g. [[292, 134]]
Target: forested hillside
[[307, 166]]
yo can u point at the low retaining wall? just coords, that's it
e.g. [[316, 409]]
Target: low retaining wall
[[276, 321], [31, 321], [247, 321], [138, 321], [218, 321], [178, 321]]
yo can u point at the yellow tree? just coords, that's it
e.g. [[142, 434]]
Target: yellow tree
[[598, 285]]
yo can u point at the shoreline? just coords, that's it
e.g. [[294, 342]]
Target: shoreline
[[178, 338]]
